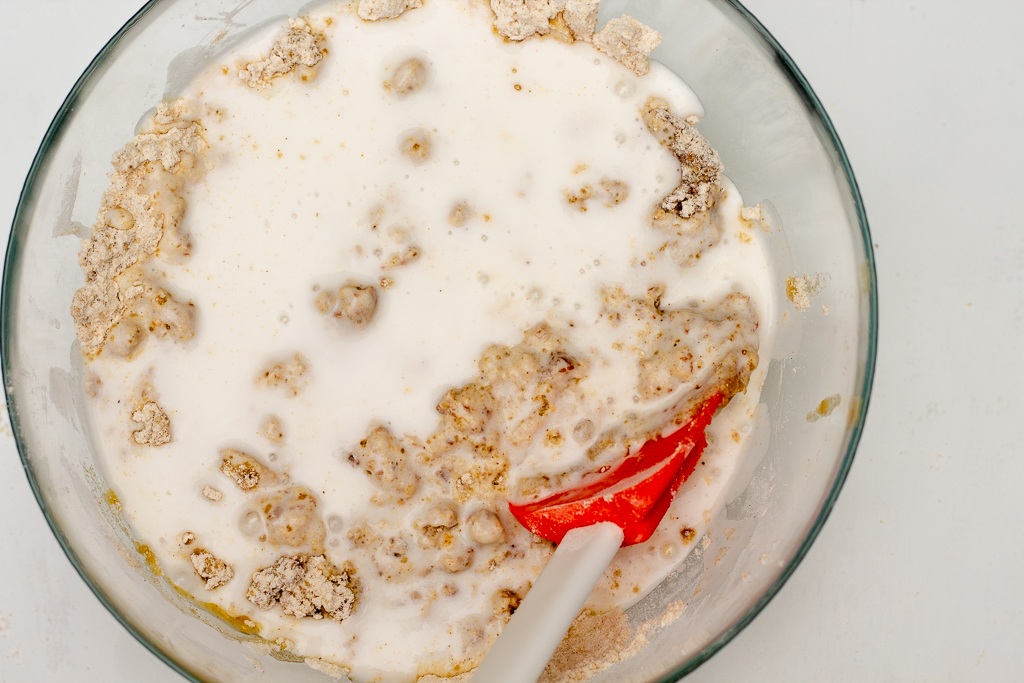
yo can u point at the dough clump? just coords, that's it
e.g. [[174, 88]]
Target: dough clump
[[628, 41], [305, 586], [581, 18], [139, 216], [296, 47], [688, 214], [373, 10], [520, 19], [214, 571], [155, 427]]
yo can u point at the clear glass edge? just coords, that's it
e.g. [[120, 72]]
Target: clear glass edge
[[52, 135], [796, 76], [803, 86]]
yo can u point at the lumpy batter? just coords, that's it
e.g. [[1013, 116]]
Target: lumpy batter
[[385, 269]]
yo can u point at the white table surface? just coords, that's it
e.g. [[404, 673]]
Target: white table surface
[[916, 576]]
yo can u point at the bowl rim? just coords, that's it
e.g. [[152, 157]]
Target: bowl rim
[[800, 85]]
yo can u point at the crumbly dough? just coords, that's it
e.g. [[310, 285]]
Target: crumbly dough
[[801, 288], [520, 19], [139, 216], [715, 348], [372, 10], [688, 215], [581, 18], [305, 586], [628, 41], [296, 47], [700, 168], [756, 215], [388, 462], [213, 494], [594, 642], [289, 376], [214, 571], [247, 472], [353, 302], [155, 427]]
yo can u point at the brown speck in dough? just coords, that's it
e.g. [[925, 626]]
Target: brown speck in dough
[[415, 145], [506, 601], [553, 437], [687, 534], [628, 41]]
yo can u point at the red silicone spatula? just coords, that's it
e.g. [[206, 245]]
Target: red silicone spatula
[[590, 522]]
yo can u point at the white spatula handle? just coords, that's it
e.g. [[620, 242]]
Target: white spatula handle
[[555, 600]]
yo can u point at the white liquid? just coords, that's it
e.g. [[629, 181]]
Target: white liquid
[[287, 205]]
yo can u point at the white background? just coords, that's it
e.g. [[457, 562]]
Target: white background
[[917, 575]]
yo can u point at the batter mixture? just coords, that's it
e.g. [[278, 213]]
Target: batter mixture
[[389, 267]]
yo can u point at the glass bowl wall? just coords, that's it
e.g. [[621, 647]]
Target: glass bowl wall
[[777, 146]]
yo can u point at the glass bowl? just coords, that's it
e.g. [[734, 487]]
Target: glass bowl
[[778, 147]]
